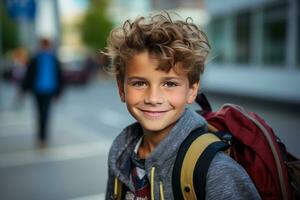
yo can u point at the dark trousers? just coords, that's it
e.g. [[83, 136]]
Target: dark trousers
[[43, 105]]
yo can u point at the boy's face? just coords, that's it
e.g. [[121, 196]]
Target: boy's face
[[156, 99]]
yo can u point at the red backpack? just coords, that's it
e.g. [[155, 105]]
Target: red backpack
[[251, 142]]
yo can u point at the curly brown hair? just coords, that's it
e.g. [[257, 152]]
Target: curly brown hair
[[180, 45]]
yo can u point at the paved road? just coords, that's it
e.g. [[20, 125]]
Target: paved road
[[84, 123]]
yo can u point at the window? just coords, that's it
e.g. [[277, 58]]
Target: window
[[216, 37], [274, 35], [298, 37], [242, 35]]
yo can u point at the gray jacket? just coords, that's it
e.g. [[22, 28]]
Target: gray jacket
[[225, 179]]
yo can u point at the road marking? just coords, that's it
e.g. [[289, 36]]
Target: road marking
[[15, 118], [114, 119], [54, 154], [18, 122], [100, 196], [17, 131], [25, 122], [80, 130]]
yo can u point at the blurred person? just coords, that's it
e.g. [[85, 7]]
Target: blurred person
[[20, 61], [43, 78], [157, 63]]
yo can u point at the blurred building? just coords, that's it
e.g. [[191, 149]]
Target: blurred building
[[48, 20], [122, 9], [34, 18], [71, 46], [255, 44], [255, 48]]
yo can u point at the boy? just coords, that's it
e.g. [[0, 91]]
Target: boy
[[157, 63]]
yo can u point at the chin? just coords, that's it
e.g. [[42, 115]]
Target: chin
[[151, 126], [156, 127], [153, 129]]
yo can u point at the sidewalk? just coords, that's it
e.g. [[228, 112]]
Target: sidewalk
[[73, 166]]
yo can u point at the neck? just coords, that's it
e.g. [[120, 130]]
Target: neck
[[151, 140]]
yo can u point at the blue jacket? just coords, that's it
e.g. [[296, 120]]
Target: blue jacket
[[30, 80]]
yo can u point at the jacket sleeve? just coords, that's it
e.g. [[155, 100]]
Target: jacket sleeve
[[226, 179], [109, 186]]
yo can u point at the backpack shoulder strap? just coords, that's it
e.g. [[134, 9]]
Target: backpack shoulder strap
[[192, 163]]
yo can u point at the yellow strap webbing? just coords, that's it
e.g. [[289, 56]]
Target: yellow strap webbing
[[189, 162], [212, 129]]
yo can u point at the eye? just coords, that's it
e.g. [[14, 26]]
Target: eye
[[139, 84], [170, 84]]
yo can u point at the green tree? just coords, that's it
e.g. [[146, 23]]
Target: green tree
[[8, 28], [96, 26]]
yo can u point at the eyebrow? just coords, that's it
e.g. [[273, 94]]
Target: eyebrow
[[135, 77], [167, 78], [171, 78]]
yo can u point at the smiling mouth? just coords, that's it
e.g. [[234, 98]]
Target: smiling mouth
[[153, 114]]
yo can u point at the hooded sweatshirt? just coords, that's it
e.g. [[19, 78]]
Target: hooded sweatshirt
[[226, 179]]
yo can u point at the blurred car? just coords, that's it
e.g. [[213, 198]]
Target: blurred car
[[75, 72], [13, 74], [75, 68]]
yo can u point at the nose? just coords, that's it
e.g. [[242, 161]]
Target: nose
[[154, 96]]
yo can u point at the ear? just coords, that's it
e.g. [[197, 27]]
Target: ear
[[193, 90], [121, 90]]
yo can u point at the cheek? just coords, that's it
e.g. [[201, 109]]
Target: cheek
[[178, 98], [133, 96]]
